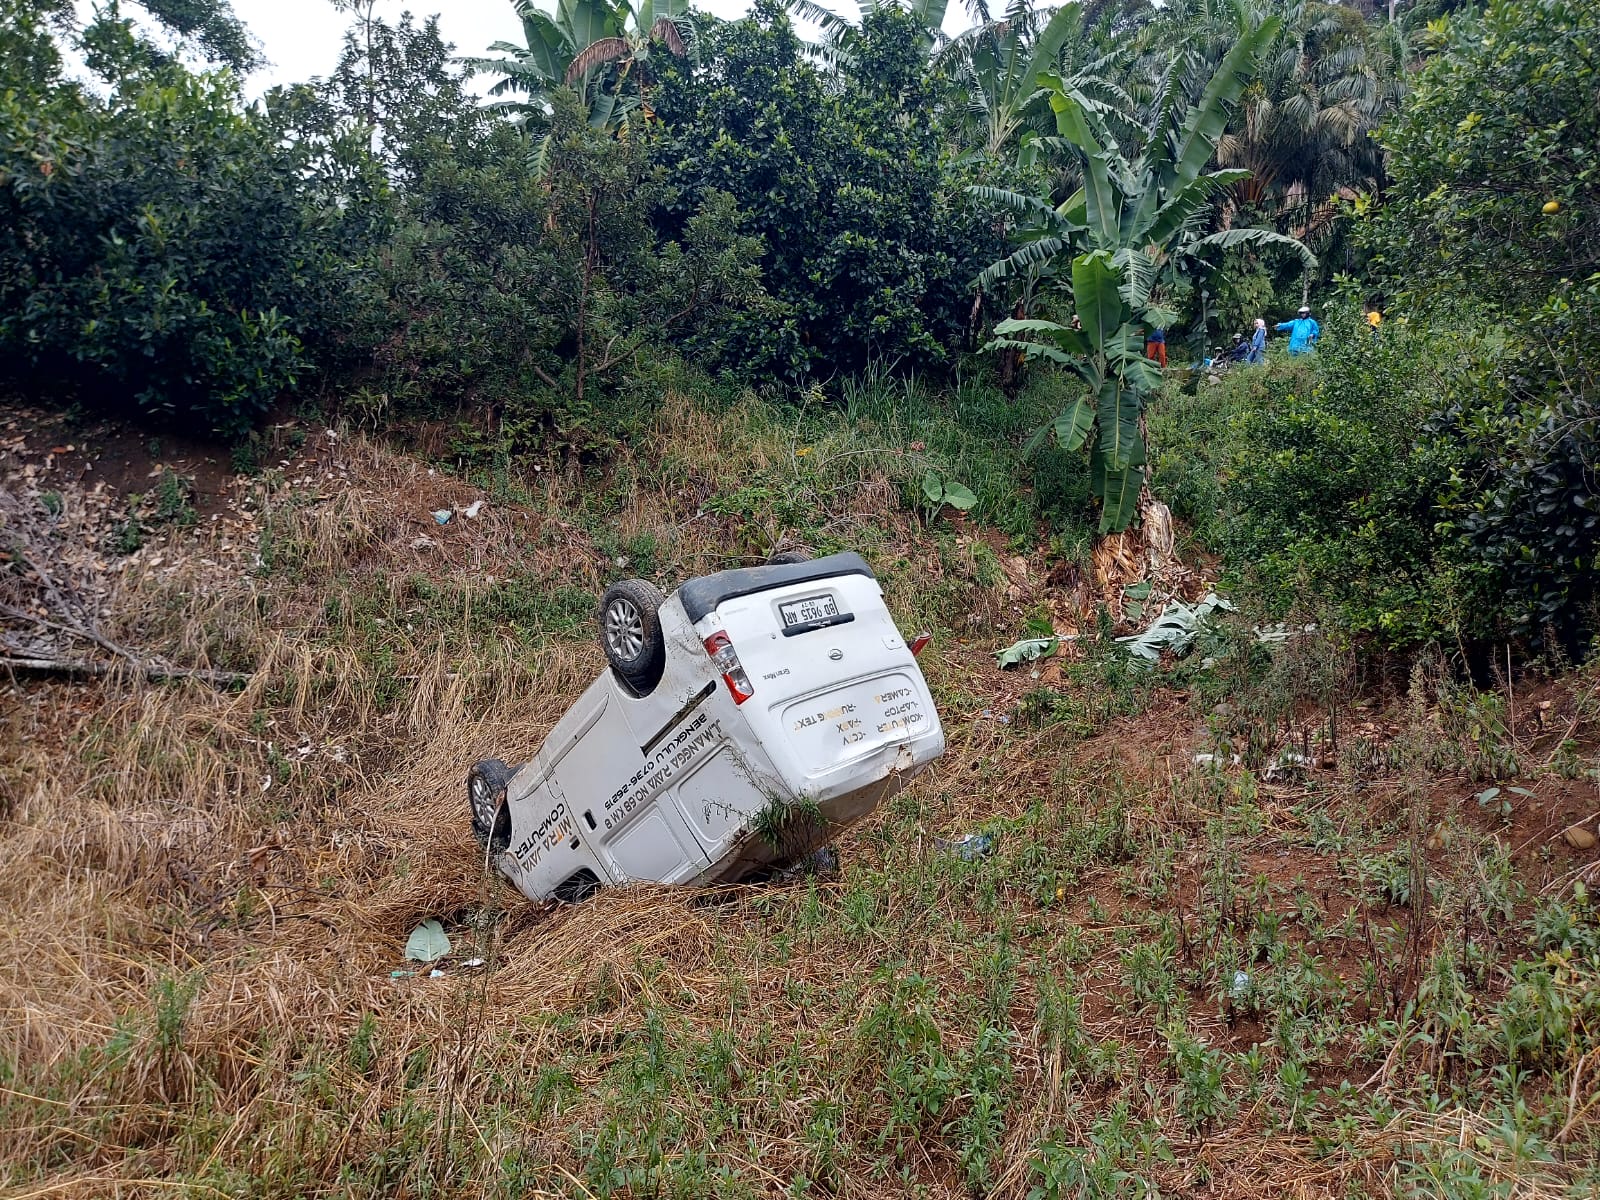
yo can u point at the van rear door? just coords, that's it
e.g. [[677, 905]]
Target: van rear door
[[833, 683]]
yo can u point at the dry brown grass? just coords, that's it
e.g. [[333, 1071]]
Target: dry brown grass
[[212, 888]]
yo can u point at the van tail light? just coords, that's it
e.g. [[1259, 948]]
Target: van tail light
[[727, 661], [920, 642]]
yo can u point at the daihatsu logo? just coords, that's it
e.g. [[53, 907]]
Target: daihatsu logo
[[836, 654]]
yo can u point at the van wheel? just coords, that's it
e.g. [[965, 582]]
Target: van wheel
[[630, 633], [491, 819], [579, 887], [784, 558]]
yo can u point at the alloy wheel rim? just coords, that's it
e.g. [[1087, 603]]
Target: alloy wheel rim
[[624, 629]]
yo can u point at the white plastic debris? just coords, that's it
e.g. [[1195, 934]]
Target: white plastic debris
[[442, 515], [427, 943], [472, 510]]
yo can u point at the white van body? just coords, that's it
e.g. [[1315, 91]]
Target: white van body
[[689, 785]]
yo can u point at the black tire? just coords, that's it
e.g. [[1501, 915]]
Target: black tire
[[577, 888], [823, 862], [486, 789], [630, 633], [787, 557]]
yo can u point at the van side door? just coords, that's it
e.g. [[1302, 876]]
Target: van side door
[[623, 807]]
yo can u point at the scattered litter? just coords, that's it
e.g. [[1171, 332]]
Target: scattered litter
[[427, 943], [401, 974], [1287, 763], [442, 515], [1281, 633], [1209, 759], [970, 848], [436, 974], [988, 715], [473, 964], [1175, 629], [1241, 985], [472, 510], [424, 542]]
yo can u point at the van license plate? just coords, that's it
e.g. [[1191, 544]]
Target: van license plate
[[807, 609]]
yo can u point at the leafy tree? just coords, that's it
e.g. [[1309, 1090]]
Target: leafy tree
[[530, 297], [1143, 194], [159, 244], [1496, 194], [212, 26], [398, 83], [871, 243], [1496, 190]]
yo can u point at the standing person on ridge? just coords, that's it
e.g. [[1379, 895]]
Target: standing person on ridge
[[1155, 347], [1303, 332], [1258, 342]]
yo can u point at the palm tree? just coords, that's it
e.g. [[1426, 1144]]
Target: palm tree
[[1145, 196], [1328, 80], [839, 34], [1304, 128]]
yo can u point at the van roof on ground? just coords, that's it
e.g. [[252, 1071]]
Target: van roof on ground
[[701, 596]]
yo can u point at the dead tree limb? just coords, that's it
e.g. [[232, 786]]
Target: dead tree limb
[[153, 672]]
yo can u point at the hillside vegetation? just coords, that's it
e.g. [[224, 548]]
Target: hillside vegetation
[[329, 418]]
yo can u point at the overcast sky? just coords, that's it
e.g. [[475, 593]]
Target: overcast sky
[[301, 37]]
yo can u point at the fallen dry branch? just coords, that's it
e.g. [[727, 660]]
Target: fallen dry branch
[[153, 672]]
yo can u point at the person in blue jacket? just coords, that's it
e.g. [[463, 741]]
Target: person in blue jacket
[[1258, 342], [1302, 331]]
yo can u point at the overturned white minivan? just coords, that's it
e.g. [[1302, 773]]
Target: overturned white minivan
[[744, 721]]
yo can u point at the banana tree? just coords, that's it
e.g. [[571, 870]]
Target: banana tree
[[1105, 348], [1145, 195], [997, 64], [580, 45], [653, 22]]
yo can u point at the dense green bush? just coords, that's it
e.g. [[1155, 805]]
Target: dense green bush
[[159, 248], [871, 243], [1312, 481], [1396, 481], [1496, 194], [533, 295], [1524, 499]]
